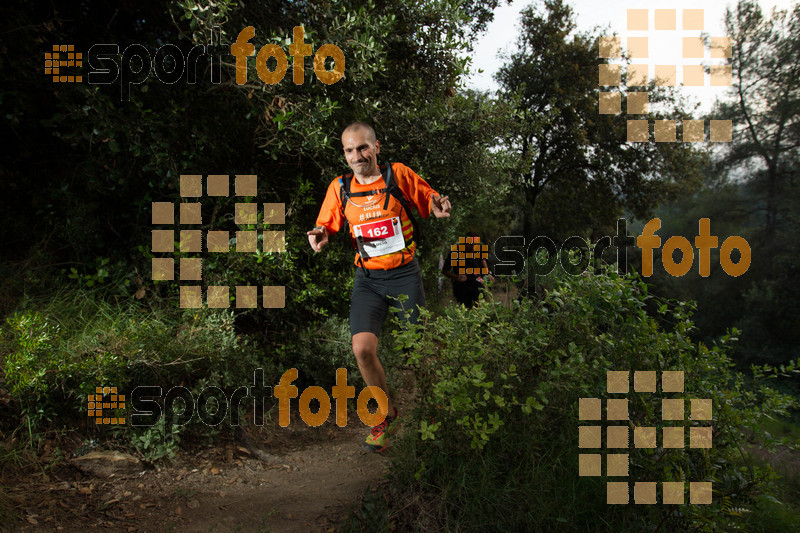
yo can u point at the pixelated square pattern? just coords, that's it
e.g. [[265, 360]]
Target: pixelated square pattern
[[191, 269], [589, 464], [610, 47], [721, 131], [218, 297], [638, 47], [610, 103], [672, 492], [590, 437], [618, 437], [245, 213], [616, 492], [644, 437], [190, 213], [693, 75], [644, 492], [638, 75], [274, 241], [63, 55], [217, 185], [190, 297], [665, 19], [638, 131], [468, 248], [246, 185], [274, 213], [665, 131], [246, 297], [666, 75], [105, 398], [163, 241], [694, 130], [617, 464], [163, 268], [163, 213], [617, 409], [638, 103], [247, 241], [672, 437], [218, 241], [191, 241], [610, 75], [274, 297], [672, 409], [640, 22], [590, 408]]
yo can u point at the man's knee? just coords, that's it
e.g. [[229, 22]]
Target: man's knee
[[365, 350]]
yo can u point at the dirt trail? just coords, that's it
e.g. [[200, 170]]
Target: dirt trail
[[321, 473]]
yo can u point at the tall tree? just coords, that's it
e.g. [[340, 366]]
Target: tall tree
[[576, 170], [764, 106]]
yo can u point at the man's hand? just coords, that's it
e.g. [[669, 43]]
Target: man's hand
[[440, 206], [461, 277], [317, 238]]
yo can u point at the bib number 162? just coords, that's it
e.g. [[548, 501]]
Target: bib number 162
[[380, 231]]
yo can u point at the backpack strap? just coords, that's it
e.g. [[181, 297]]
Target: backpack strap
[[391, 189], [394, 190]]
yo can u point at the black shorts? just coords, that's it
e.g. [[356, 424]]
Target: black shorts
[[373, 295]]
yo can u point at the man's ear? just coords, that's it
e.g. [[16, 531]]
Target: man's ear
[[377, 147]]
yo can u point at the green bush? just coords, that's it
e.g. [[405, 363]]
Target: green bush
[[57, 351], [494, 437]]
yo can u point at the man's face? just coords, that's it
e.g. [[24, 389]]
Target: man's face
[[361, 151]]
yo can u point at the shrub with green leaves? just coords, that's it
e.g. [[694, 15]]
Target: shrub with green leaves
[[494, 437], [55, 355]]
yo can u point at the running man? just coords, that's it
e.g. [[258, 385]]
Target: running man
[[376, 213]]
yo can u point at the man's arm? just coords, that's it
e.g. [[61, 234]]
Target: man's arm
[[420, 193], [440, 206], [329, 219], [317, 238]]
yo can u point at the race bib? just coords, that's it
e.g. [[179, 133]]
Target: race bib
[[381, 237]]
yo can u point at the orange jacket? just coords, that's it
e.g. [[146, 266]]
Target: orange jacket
[[368, 210]]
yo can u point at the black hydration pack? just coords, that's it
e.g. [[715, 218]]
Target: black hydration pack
[[391, 189]]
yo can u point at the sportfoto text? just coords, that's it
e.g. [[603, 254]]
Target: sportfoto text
[[212, 405], [170, 65], [511, 261]]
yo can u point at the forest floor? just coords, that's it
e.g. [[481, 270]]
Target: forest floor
[[316, 478]]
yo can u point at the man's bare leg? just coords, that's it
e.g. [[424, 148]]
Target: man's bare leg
[[365, 348]]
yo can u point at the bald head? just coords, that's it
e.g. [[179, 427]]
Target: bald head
[[355, 126]]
